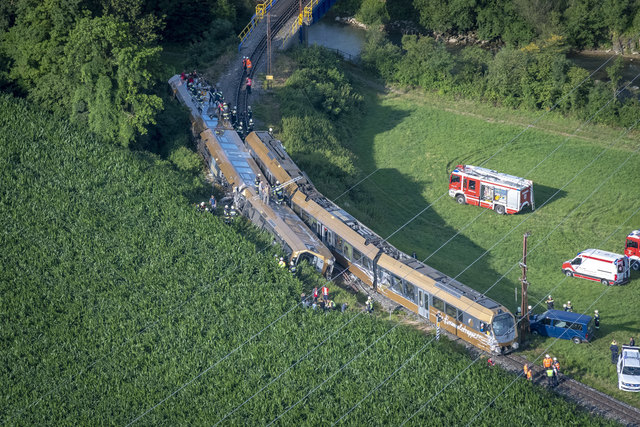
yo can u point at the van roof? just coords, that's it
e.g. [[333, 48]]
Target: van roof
[[604, 255], [567, 316]]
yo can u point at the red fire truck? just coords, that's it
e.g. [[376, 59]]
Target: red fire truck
[[490, 189], [632, 249]]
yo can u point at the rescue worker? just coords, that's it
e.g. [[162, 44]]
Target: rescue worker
[[227, 214], [234, 116], [344, 307], [256, 184], [596, 319], [556, 371], [569, 307], [564, 307], [614, 352], [265, 192], [202, 207], [244, 64], [233, 212], [547, 362], [550, 376], [549, 303], [292, 267], [277, 193], [482, 327], [249, 65], [281, 263], [249, 112], [325, 293], [331, 305], [225, 111], [213, 203], [369, 304], [527, 371], [248, 85], [303, 300], [490, 362], [632, 342], [250, 125], [315, 294], [518, 314]]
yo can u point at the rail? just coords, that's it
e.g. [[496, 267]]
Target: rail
[[261, 10]]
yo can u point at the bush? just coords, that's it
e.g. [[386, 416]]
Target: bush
[[186, 160], [373, 12]]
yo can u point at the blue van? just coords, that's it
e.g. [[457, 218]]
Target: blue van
[[563, 324]]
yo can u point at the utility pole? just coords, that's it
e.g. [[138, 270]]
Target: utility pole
[[524, 305], [269, 75]]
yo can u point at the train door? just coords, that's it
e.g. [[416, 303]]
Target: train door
[[423, 303], [327, 236]]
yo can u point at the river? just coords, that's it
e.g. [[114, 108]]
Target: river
[[348, 40]]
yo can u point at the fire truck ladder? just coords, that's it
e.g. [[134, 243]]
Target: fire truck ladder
[[281, 186]]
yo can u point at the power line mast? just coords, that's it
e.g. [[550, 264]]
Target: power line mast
[[524, 305], [269, 75]]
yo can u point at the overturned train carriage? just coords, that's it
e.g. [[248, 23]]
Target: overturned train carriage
[[230, 161], [465, 312]]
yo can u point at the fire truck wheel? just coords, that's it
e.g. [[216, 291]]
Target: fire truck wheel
[[499, 209], [568, 273], [636, 265], [460, 199], [605, 282]]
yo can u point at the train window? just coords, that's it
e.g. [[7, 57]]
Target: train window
[[296, 209], [451, 311], [438, 304], [396, 284], [339, 243], [357, 256], [409, 291], [348, 251], [470, 321], [426, 300], [383, 276]]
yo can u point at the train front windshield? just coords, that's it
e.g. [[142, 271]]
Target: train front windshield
[[503, 325]]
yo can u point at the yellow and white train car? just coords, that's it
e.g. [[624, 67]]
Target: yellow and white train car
[[424, 290], [229, 160]]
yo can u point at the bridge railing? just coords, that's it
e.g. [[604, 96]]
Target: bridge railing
[[305, 17]]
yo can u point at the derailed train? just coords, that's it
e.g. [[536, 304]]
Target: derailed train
[[229, 160], [424, 290], [463, 311]]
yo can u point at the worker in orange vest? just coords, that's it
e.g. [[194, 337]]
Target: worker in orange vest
[[325, 293], [248, 65], [547, 362], [528, 372]]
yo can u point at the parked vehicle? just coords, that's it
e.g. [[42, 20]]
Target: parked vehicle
[[563, 324], [632, 249], [629, 368], [490, 189], [600, 266]]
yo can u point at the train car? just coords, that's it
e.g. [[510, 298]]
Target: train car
[[229, 160], [424, 290]]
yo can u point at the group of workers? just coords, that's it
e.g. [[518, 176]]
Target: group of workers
[[551, 370], [265, 191], [242, 122], [324, 303]]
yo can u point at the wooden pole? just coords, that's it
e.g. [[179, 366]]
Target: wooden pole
[[524, 305]]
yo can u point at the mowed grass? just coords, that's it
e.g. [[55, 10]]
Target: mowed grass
[[413, 142]]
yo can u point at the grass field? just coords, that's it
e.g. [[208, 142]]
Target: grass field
[[412, 141], [120, 303]]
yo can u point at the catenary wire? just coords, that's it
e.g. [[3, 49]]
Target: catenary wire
[[289, 368], [148, 326], [561, 281], [517, 225], [332, 375], [546, 350]]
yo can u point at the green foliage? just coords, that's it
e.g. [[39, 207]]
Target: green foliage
[[186, 160], [446, 16], [380, 55], [373, 12], [584, 24], [111, 76], [213, 42], [426, 63]]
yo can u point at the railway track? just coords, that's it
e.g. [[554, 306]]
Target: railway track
[[285, 12], [592, 400]]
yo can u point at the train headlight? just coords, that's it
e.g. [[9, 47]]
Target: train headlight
[[515, 345]]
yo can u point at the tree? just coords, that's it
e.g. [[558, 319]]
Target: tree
[[109, 75]]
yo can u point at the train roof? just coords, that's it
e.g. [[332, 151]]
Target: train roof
[[275, 151]]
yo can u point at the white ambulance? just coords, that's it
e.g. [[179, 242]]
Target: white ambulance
[[600, 266]]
